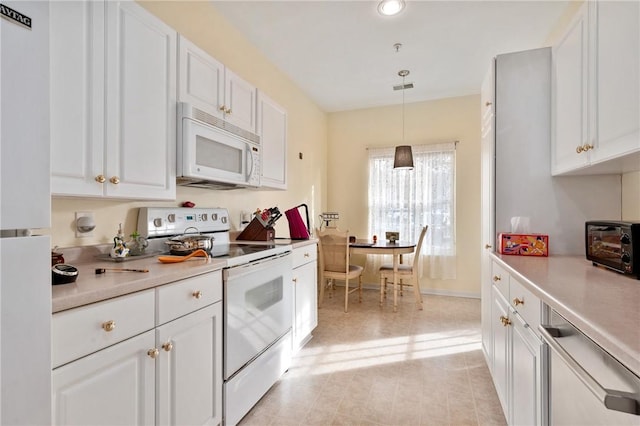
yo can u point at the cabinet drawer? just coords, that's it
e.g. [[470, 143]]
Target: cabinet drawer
[[81, 331], [525, 303], [305, 254], [185, 296], [500, 278]]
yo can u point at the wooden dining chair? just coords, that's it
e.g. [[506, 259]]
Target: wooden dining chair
[[407, 274], [333, 247]]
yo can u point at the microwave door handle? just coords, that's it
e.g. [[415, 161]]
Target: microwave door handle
[[250, 162]]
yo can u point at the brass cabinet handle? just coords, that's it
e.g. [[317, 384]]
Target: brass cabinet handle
[[197, 294], [109, 326], [114, 180], [488, 246], [101, 179], [505, 320], [167, 346], [517, 301], [153, 353], [496, 278]]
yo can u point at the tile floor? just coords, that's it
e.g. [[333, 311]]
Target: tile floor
[[373, 367]]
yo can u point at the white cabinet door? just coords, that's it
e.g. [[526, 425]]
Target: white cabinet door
[[190, 369], [570, 95], [211, 87], [306, 302], [77, 97], [501, 348], [487, 153], [616, 129], [240, 102], [272, 128], [201, 79], [141, 104], [525, 370], [115, 386]]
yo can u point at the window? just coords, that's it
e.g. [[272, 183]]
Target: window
[[406, 200]]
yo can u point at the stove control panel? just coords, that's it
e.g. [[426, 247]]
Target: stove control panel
[[170, 221]]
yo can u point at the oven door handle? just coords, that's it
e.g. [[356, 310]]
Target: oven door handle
[[612, 399]]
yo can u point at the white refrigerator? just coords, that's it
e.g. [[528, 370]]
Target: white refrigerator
[[25, 208]]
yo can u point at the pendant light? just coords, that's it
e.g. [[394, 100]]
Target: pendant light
[[403, 158]]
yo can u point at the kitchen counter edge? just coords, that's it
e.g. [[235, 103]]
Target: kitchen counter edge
[[603, 304]]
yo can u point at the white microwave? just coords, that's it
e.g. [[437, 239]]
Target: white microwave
[[215, 154]]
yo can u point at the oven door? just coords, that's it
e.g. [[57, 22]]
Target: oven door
[[209, 153], [258, 309]]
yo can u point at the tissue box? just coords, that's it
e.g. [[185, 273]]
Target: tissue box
[[523, 244]]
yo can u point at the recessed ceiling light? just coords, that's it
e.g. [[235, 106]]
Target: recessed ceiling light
[[390, 7]]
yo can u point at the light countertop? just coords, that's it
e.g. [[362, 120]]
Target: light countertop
[[603, 304], [91, 287]]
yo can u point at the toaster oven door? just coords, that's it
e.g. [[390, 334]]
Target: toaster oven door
[[609, 245]]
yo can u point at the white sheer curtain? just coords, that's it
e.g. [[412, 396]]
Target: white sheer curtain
[[407, 200]]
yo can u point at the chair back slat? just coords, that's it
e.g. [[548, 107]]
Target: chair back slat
[[416, 257]]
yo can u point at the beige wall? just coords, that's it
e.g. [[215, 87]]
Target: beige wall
[[307, 133], [350, 133], [631, 196]]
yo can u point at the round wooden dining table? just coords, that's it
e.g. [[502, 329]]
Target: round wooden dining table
[[396, 249]]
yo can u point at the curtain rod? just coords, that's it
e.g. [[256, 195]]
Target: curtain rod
[[455, 144]]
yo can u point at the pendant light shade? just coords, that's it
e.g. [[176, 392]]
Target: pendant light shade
[[403, 158]]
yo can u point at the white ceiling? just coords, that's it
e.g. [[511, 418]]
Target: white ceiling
[[341, 52]]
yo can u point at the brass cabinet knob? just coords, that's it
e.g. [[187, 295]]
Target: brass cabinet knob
[[153, 353], [505, 320], [109, 326], [579, 149], [586, 147], [114, 180], [517, 301], [295, 280], [197, 294], [222, 108], [488, 246], [167, 346], [101, 179], [227, 111], [488, 103], [496, 278], [307, 255]]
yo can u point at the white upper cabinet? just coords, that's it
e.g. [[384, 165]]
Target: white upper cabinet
[[272, 128], [113, 101], [596, 90], [208, 85]]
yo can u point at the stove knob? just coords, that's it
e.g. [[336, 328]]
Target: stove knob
[[625, 239], [223, 219], [204, 217], [171, 217], [214, 216], [626, 257], [157, 222]]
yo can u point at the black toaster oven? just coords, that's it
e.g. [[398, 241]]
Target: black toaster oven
[[615, 245]]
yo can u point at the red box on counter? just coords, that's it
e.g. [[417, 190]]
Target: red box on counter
[[523, 244]]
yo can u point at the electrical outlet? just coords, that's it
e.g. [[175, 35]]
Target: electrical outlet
[[84, 224]]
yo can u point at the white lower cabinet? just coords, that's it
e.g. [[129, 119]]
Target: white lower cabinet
[[516, 353], [305, 273], [147, 361]]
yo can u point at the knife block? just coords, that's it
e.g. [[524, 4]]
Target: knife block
[[255, 231]]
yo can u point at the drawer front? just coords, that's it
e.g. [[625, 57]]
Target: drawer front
[[525, 303], [185, 296], [305, 254], [500, 278], [84, 330]]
